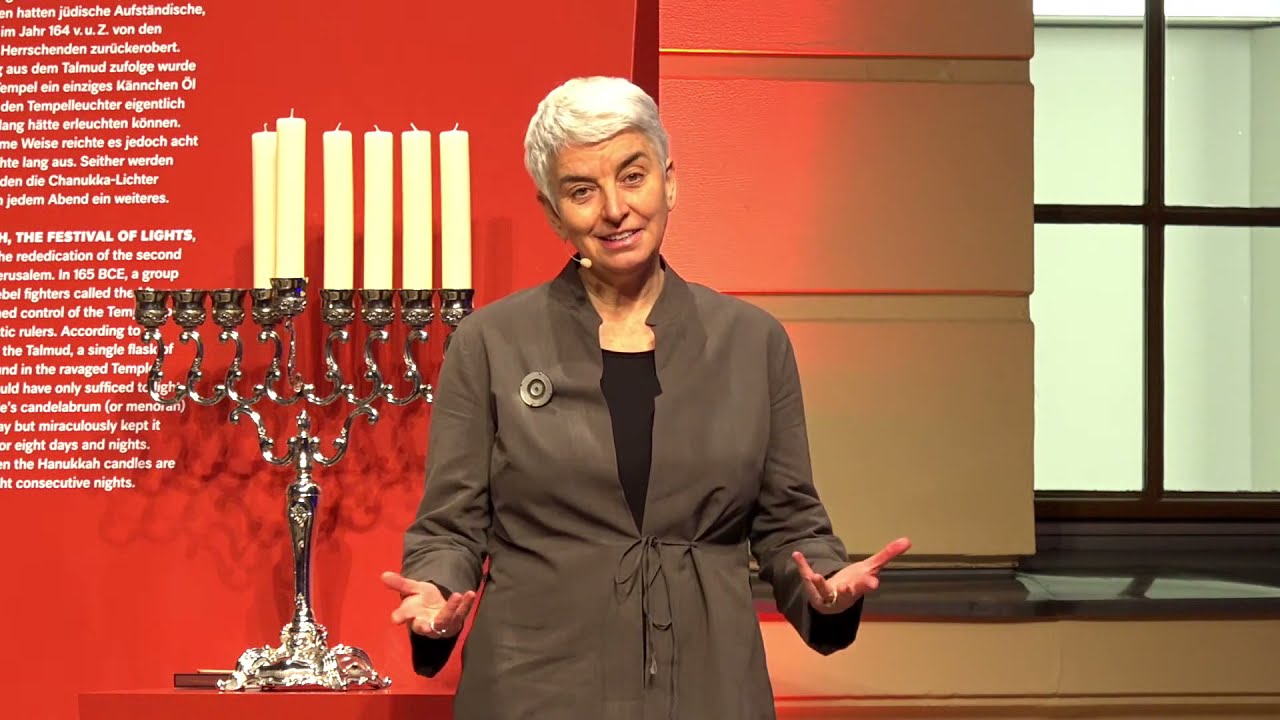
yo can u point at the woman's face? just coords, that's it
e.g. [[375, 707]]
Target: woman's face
[[611, 202]]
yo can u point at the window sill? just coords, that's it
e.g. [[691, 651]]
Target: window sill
[[1097, 571]]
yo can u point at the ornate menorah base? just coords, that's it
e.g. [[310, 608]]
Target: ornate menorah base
[[304, 662]]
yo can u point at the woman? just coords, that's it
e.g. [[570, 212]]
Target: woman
[[617, 443]]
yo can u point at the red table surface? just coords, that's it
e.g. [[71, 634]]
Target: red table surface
[[390, 704]]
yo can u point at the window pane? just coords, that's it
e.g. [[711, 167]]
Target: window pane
[[1088, 114], [1087, 313], [1222, 359], [1118, 11], [1222, 99]]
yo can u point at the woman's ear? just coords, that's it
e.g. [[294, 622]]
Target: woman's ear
[[671, 185]]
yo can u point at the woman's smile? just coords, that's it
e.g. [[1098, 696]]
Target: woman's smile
[[620, 240]]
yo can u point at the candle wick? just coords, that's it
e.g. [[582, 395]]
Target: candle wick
[[415, 127], [264, 127], [339, 126], [376, 129], [455, 126], [290, 112]]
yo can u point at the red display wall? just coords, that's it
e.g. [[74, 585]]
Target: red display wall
[[140, 543]]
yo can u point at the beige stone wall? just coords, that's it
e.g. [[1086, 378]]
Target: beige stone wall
[[863, 169]]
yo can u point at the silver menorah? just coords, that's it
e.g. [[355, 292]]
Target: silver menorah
[[303, 660]]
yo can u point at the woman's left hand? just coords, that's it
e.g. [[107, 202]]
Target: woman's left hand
[[839, 592]]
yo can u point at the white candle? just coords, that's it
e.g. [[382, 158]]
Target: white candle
[[377, 210], [455, 209], [415, 212], [339, 212], [291, 193], [264, 207]]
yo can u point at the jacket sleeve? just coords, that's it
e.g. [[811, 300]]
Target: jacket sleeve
[[445, 544], [790, 516]]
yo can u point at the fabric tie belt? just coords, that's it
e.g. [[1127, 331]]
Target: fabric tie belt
[[641, 563]]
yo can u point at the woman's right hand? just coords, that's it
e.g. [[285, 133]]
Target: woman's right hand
[[424, 609]]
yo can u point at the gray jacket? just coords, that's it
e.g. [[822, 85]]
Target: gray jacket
[[581, 616]]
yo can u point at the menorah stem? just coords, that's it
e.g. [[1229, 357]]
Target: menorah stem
[[303, 498], [303, 659]]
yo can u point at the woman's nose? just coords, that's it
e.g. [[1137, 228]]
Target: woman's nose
[[615, 205]]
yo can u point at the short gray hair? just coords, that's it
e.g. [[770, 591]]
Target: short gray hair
[[584, 111]]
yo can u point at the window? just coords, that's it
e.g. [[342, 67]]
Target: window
[[1157, 278]]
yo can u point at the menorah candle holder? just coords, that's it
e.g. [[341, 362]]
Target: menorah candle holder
[[303, 660]]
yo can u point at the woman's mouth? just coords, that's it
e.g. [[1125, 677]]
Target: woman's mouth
[[620, 239]]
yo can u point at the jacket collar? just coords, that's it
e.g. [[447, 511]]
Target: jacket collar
[[675, 300], [677, 327]]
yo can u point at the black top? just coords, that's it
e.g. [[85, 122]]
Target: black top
[[630, 383]]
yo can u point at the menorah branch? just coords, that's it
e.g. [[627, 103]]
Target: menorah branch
[[266, 445], [340, 442]]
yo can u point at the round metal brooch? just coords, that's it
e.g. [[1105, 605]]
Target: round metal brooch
[[535, 389]]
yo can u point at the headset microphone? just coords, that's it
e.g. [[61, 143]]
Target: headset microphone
[[585, 263]]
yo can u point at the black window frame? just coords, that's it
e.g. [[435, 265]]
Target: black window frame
[[1154, 215]]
